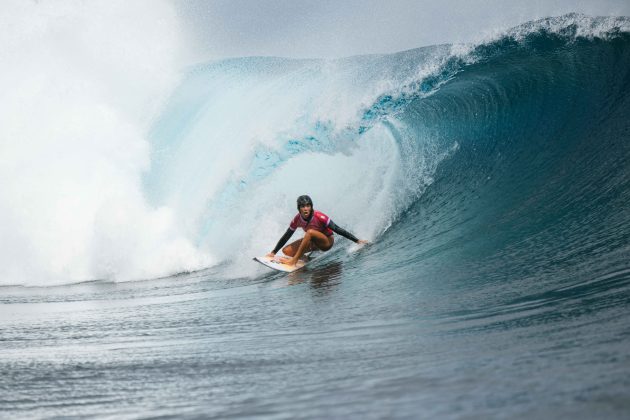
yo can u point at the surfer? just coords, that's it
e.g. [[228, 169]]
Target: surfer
[[319, 232]]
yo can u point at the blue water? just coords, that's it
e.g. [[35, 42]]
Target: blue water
[[493, 183]]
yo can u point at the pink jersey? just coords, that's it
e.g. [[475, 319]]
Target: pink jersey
[[319, 222]]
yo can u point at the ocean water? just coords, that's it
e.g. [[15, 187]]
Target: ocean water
[[493, 181]]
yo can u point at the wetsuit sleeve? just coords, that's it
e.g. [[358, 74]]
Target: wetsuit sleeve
[[283, 240], [342, 232]]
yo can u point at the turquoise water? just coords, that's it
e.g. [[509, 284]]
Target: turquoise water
[[494, 184]]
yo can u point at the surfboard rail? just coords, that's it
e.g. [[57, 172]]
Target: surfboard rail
[[278, 263]]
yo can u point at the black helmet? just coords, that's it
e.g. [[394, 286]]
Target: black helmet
[[304, 200]]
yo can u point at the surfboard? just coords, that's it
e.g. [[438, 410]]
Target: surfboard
[[279, 263]]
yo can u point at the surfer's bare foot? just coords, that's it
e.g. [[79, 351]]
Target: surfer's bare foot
[[292, 262]]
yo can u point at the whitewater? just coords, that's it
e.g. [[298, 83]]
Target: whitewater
[[493, 180]]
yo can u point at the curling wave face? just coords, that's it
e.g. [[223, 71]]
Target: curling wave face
[[374, 139], [507, 143]]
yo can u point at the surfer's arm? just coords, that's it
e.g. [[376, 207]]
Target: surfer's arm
[[283, 240], [344, 233]]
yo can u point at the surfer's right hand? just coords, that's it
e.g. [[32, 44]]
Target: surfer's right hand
[[271, 254]]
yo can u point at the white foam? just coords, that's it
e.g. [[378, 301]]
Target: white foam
[[80, 84]]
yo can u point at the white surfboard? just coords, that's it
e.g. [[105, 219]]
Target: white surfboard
[[279, 263]]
